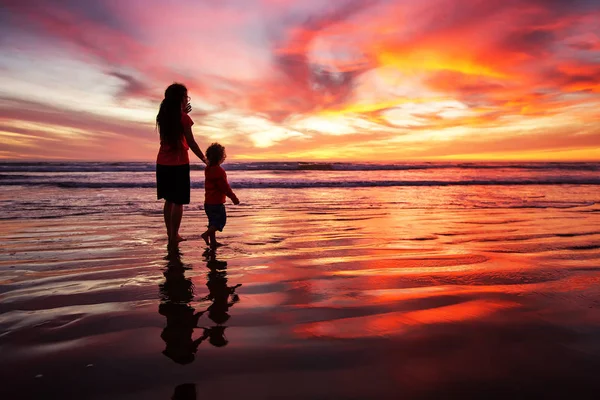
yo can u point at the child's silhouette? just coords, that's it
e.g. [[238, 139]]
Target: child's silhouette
[[216, 190]]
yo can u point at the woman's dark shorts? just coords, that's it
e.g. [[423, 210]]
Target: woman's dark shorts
[[173, 183], [216, 215]]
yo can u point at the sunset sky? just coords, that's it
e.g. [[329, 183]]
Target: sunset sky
[[304, 80]]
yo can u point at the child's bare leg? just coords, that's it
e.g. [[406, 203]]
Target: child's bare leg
[[213, 238], [205, 237], [209, 234]]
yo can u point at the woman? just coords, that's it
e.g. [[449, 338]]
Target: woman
[[172, 162]]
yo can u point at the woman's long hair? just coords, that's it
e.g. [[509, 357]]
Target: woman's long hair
[[168, 119]]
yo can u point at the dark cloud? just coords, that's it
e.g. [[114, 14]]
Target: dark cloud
[[568, 6], [574, 79], [132, 87], [96, 11], [586, 45], [563, 78], [535, 42]]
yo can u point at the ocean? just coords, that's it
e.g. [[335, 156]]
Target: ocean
[[55, 189]]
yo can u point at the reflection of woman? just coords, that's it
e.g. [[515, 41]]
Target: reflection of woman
[[177, 292], [172, 162]]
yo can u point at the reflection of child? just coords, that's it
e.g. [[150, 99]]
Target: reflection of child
[[219, 293], [216, 336], [216, 190], [176, 293]]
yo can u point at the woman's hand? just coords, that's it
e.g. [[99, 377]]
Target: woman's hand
[[188, 108]]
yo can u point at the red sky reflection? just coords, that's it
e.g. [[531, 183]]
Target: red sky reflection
[[396, 322]]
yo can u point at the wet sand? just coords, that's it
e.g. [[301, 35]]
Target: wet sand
[[372, 301]]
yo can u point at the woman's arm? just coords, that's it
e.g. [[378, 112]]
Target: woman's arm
[[189, 137]]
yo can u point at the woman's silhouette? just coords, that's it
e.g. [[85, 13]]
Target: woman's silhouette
[[172, 161]]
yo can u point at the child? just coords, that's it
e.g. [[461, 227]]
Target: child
[[216, 190]]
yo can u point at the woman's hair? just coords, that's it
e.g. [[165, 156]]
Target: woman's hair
[[168, 119], [215, 154]]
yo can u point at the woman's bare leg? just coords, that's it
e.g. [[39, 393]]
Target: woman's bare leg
[[175, 223], [167, 215]]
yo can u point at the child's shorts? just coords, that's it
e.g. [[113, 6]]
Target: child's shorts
[[216, 215]]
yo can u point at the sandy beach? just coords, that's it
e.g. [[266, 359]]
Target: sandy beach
[[346, 294]]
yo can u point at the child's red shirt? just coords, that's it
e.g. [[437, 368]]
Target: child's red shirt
[[216, 187]]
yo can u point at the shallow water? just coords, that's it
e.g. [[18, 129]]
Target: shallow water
[[347, 293]]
